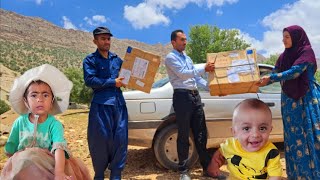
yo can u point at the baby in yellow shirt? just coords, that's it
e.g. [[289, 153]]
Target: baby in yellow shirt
[[249, 154]]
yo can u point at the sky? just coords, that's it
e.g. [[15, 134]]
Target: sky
[[260, 22]]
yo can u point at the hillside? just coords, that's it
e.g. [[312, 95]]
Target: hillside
[[26, 42], [30, 41], [7, 77]]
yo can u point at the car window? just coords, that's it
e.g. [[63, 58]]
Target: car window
[[273, 88], [160, 82]]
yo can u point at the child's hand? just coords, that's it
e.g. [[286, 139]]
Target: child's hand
[[218, 158], [62, 176], [216, 162], [8, 155], [213, 169]]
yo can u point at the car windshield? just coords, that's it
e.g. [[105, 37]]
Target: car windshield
[[160, 82]]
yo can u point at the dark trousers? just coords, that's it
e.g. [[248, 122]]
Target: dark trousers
[[108, 139], [189, 114]]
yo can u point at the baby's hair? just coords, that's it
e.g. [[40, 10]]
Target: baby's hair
[[25, 94], [253, 103]]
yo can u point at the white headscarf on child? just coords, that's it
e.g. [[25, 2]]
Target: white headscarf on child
[[58, 82]]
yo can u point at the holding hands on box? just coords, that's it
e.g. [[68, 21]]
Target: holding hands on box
[[209, 67], [265, 80]]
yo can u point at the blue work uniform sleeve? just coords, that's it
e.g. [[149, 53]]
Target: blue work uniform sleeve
[[92, 80]]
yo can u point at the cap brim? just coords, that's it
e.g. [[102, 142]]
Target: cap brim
[[103, 33]]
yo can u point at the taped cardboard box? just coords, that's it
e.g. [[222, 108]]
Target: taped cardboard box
[[139, 69], [236, 72]]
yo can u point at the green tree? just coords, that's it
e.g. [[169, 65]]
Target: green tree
[[4, 107], [317, 76], [211, 39], [272, 59], [80, 93]]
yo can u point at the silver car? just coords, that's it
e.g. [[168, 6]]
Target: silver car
[[152, 119]]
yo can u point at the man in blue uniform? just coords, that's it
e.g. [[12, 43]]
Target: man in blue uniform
[[108, 116]]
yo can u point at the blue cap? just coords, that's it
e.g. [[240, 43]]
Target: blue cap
[[101, 30]]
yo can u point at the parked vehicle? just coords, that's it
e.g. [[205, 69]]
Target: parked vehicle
[[152, 119]]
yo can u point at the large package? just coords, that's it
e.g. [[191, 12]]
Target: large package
[[139, 69], [236, 72]]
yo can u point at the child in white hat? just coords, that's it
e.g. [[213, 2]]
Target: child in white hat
[[36, 144]]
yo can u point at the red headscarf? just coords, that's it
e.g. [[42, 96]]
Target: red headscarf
[[300, 52]]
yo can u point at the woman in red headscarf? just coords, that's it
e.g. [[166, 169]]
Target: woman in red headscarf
[[300, 104]]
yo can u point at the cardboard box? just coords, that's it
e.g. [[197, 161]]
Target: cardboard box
[[236, 72], [139, 69]]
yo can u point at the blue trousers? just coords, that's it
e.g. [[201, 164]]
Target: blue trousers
[[108, 138]]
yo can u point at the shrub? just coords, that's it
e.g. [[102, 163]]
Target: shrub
[[4, 107]]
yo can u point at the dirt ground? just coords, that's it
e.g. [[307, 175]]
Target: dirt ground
[[141, 163]]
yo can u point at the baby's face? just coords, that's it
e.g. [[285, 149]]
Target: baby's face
[[252, 128]]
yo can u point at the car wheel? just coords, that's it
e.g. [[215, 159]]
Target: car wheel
[[165, 148]]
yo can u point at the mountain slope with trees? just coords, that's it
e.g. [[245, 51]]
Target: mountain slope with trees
[[27, 42]]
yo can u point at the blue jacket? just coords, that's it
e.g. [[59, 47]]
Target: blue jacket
[[100, 74]]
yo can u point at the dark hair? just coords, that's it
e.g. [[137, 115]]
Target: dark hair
[[25, 94], [254, 103], [174, 34]]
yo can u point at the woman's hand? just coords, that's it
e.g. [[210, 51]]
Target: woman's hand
[[263, 81]]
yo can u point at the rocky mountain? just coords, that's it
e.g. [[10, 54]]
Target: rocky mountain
[[7, 77], [29, 41]]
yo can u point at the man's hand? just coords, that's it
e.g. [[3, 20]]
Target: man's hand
[[119, 82], [209, 67]]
